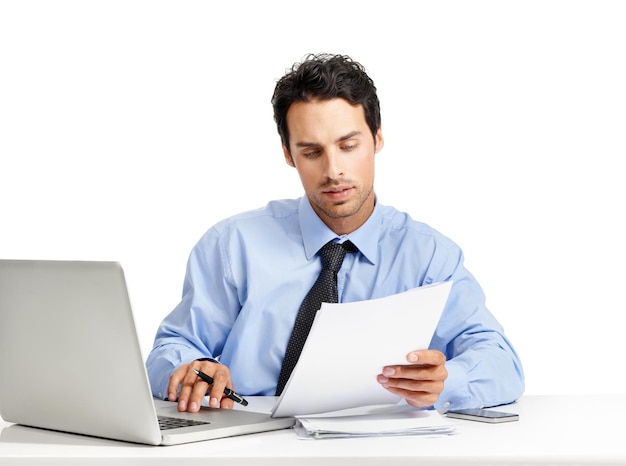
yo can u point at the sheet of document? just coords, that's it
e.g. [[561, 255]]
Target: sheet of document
[[385, 420], [349, 344]]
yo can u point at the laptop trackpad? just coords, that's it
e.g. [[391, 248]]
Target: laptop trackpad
[[222, 417]]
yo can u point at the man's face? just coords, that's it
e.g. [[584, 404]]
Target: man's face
[[333, 150]]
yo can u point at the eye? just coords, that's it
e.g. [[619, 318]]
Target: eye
[[311, 153], [348, 147]]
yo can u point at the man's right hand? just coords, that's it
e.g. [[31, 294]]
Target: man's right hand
[[193, 389]]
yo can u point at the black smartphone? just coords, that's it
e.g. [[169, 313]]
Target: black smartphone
[[482, 415]]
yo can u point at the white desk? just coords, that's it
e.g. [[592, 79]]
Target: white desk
[[552, 430]]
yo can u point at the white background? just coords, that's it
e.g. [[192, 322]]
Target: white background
[[128, 128]]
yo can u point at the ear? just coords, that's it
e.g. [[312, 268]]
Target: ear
[[288, 157], [379, 140]]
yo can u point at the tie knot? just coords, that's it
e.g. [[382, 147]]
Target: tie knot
[[333, 253]]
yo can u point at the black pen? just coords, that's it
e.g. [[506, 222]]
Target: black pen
[[227, 391]]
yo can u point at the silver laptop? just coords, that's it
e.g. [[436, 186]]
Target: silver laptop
[[71, 361]]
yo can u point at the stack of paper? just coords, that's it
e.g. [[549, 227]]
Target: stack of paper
[[384, 420], [349, 344]]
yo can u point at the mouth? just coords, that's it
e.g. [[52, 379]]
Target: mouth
[[337, 193]]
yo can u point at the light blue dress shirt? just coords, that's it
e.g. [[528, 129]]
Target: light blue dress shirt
[[248, 275]]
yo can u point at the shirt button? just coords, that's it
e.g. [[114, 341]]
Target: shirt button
[[446, 405]]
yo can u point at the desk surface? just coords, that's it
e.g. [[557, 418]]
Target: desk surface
[[551, 430]]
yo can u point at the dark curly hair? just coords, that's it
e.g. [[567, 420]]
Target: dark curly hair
[[324, 77]]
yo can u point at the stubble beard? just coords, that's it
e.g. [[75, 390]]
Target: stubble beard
[[347, 208]]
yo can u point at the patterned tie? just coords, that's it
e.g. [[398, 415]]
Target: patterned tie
[[324, 290]]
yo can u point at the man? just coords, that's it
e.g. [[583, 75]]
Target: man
[[247, 276]]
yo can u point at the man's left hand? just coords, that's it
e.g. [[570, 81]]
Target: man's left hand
[[421, 381]]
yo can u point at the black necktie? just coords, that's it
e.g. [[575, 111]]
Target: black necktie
[[324, 290]]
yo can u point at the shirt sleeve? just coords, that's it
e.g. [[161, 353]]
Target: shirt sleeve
[[198, 326], [483, 367]]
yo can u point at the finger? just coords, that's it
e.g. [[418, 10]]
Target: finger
[[417, 393], [221, 380], [198, 391], [187, 387], [417, 399], [430, 357], [423, 360], [416, 372], [408, 385], [175, 381]]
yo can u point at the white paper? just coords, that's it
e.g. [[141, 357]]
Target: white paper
[[350, 343], [386, 420]]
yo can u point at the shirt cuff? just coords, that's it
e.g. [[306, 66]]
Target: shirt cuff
[[455, 394], [209, 359]]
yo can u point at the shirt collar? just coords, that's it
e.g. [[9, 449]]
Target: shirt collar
[[316, 234]]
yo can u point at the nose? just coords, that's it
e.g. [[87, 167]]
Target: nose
[[333, 167]]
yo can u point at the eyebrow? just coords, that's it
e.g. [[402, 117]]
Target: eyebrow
[[346, 137]]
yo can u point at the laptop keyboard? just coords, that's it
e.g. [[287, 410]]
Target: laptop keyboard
[[166, 423]]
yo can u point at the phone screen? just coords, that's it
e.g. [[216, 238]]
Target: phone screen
[[482, 415]]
